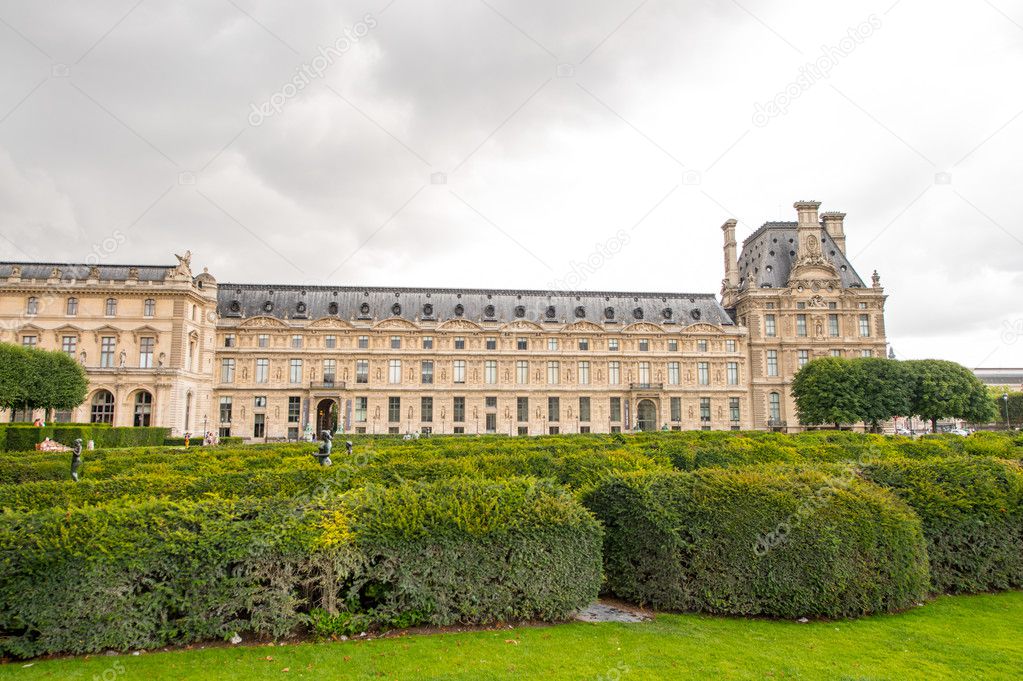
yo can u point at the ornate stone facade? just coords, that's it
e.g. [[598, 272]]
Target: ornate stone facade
[[263, 362]]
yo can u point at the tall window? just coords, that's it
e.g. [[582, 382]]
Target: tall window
[[226, 409], [522, 372], [361, 407], [362, 371], [263, 340], [521, 343], [330, 342], [703, 372], [800, 324], [733, 409], [396, 342], [584, 344], [553, 373], [427, 342], [804, 357], [865, 325], [774, 404], [393, 409], [644, 373], [833, 325], [614, 373], [33, 306], [147, 346], [426, 372], [836, 353], [294, 408], [676, 409], [552, 344], [733, 373], [772, 362], [363, 342], [227, 370], [730, 345], [262, 370], [458, 371], [705, 409], [491, 343], [101, 409], [584, 373], [72, 307], [29, 341], [329, 370], [230, 340], [458, 409], [584, 409], [554, 409], [644, 345], [394, 371], [107, 347], [701, 346], [522, 409], [459, 343], [69, 344], [615, 408], [672, 345], [490, 372], [111, 307], [770, 327], [143, 409], [866, 353], [613, 345], [673, 373], [295, 374], [149, 308], [426, 409]]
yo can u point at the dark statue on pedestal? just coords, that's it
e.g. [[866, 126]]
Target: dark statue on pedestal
[[348, 447], [76, 459]]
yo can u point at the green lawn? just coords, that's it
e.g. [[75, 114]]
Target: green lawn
[[964, 637]]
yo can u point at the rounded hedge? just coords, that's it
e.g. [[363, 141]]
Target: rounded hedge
[[972, 514], [767, 541]]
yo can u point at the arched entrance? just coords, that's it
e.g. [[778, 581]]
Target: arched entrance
[[102, 407], [646, 416], [326, 416]]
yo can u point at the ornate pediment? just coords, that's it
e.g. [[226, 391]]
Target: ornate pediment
[[66, 330], [262, 322], [145, 330], [107, 330], [703, 327], [459, 325], [642, 327], [329, 323], [522, 325], [584, 327], [397, 324]]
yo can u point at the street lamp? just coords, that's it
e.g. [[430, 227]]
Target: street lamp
[[1005, 401]]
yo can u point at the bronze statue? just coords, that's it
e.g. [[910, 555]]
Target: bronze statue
[[326, 444], [348, 447], [76, 459]]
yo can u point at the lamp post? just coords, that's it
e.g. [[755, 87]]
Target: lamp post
[[1005, 401], [205, 428]]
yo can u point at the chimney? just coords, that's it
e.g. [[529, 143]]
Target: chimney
[[834, 226], [808, 229], [731, 257]]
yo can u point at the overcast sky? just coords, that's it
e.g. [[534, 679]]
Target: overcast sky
[[501, 143]]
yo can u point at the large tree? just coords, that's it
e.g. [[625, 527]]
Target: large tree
[[943, 389], [40, 379], [885, 389], [826, 390]]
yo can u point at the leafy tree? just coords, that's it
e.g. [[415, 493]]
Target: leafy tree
[[943, 389], [40, 379], [1015, 404], [14, 367], [885, 389], [826, 390]]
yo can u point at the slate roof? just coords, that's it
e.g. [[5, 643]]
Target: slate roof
[[440, 305], [770, 252], [42, 270]]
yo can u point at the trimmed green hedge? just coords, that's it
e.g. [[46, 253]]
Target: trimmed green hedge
[[774, 542], [20, 438], [972, 513], [141, 574]]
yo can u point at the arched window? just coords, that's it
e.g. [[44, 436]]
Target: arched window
[[111, 309], [72, 307], [33, 306], [775, 400], [149, 308], [102, 408], [143, 409]]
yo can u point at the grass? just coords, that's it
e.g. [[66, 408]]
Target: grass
[[961, 637]]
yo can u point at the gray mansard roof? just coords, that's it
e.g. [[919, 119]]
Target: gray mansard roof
[[71, 271], [439, 305], [770, 252]]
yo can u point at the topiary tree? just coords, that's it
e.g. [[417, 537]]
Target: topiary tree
[[884, 389], [943, 389], [826, 390], [14, 368], [40, 379]]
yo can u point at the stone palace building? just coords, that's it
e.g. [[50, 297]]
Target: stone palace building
[[165, 347]]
